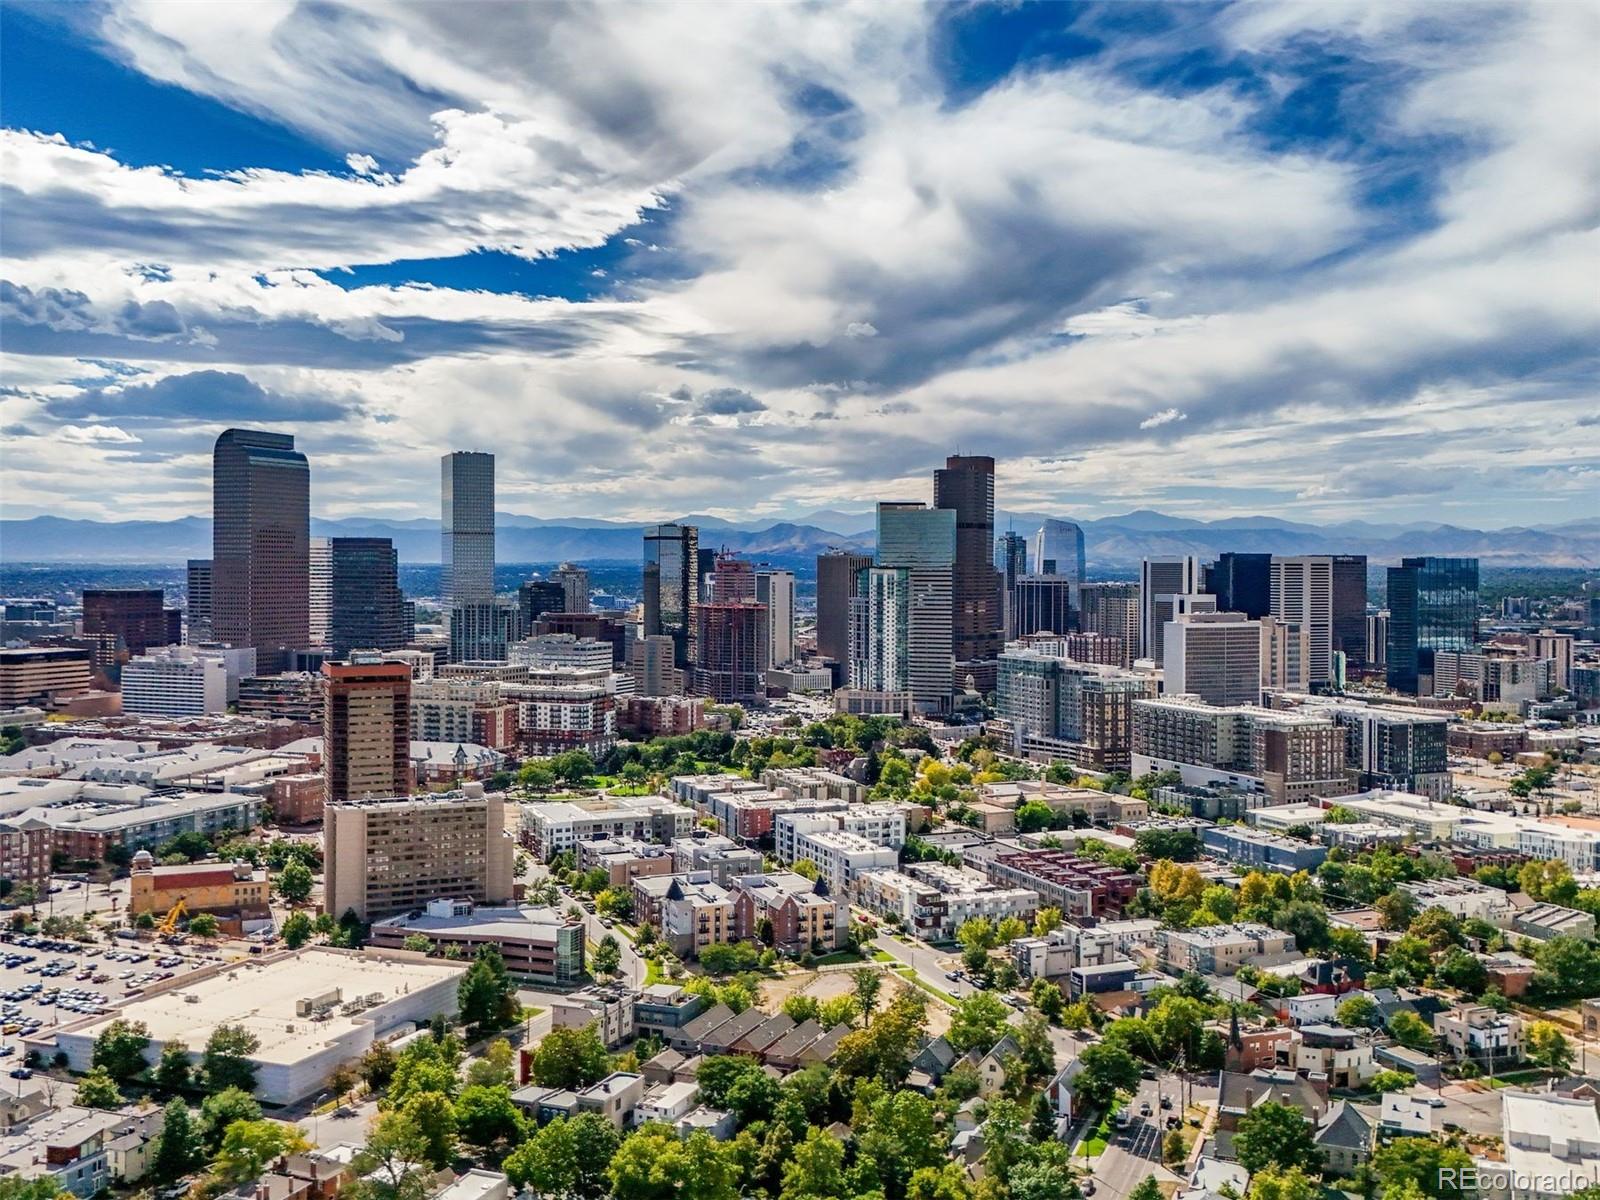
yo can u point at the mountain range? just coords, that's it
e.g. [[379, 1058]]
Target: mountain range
[[1113, 543]]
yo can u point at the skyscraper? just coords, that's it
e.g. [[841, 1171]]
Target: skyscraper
[[483, 631], [135, 616], [1350, 606], [1302, 594], [535, 597], [320, 594], [574, 581], [366, 729], [672, 586], [1058, 550], [732, 644], [1011, 558], [965, 486], [466, 527], [1433, 605], [260, 538], [1166, 576], [197, 608], [1111, 609], [922, 542], [775, 589], [1215, 655], [1242, 583], [838, 573], [733, 578], [880, 648], [1041, 604], [366, 608]]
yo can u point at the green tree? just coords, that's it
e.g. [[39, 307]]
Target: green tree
[[947, 1182], [179, 1149], [1107, 1069], [547, 1163], [1147, 1189], [753, 1096], [119, 1049], [801, 1008], [435, 1118], [1549, 1047], [98, 1090], [495, 1068], [977, 933], [607, 957], [226, 1062], [805, 868], [1431, 1168], [248, 1146], [978, 1022], [221, 1110], [865, 985], [1291, 1184], [390, 1162], [1047, 998], [486, 1118], [654, 1164], [570, 1058], [1274, 1134], [297, 930], [487, 995], [203, 925], [294, 882], [1410, 1030], [1358, 1012], [1463, 971], [816, 1169]]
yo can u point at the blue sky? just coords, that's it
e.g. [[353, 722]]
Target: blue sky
[[1322, 260]]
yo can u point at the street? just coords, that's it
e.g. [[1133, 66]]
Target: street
[[1136, 1151]]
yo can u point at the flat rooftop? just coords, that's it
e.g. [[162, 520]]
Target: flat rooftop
[[262, 995]]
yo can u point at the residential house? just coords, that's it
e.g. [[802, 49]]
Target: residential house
[[1346, 1137], [1479, 1033]]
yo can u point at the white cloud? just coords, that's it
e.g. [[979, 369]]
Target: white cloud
[[93, 434], [1165, 417]]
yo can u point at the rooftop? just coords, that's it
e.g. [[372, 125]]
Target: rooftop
[[261, 995]]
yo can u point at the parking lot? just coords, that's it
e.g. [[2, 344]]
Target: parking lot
[[45, 982]]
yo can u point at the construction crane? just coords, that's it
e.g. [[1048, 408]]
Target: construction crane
[[169, 923]]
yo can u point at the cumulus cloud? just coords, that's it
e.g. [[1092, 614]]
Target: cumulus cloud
[[92, 434], [214, 397], [843, 242]]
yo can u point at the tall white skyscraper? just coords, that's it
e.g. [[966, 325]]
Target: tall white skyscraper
[[321, 595], [879, 637], [1302, 594], [466, 521], [775, 589], [1168, 576], [1216, 656]]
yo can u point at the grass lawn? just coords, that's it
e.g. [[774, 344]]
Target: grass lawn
[[910, 974], [883, 956], [1095, 1144], [652, 971]]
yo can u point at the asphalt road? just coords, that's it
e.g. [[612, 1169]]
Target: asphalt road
[[1136, 1151]]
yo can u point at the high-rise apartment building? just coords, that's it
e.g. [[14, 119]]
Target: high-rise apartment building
[[466, 527], [1302, 594], [366, 729], [260, 537], [536, 597], [320, 590], [672, 586], [965, 486], [922, 542], [1041, 604], [366, 608], [1433, 605], [1169, 608], [137, 617], [1169, 576], [775, 589], [1350, 606], [1215, 655], [1111, 609], [574, 581], [197, 606], [838, 573], [880, 649], [1242, 583], [176, 681], [1078, 712], [1378, 639], [387, 855], [1058, 549], [734, 645]]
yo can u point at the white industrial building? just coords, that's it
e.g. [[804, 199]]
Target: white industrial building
[[311, 1011]]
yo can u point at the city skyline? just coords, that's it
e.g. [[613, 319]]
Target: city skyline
[[1281, 257]]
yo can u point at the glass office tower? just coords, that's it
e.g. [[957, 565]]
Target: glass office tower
[[1433, 605], [672, 587]]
